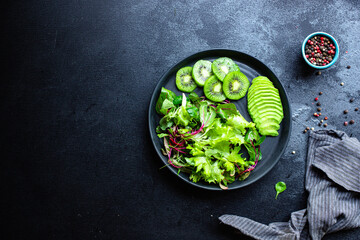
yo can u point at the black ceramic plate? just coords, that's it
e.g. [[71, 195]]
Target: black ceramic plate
[[272, 148]]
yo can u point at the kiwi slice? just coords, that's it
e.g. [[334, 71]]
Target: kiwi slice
[[201, 72], [184, 80], [222, 66], [235, 85], [213, 89]]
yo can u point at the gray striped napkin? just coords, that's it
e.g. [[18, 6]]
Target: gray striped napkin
[[333, 182]]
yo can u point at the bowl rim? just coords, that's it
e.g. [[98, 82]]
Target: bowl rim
[[332, 39]]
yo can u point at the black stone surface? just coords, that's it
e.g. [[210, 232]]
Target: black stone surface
[[77, 161]]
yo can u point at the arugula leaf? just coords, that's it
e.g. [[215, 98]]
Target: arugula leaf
[[164, 94]]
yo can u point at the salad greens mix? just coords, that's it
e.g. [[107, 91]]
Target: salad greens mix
[[204, 139]]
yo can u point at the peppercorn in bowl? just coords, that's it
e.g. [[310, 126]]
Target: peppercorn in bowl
[[320, 50]]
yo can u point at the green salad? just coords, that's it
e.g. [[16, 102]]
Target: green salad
[[204, 138]]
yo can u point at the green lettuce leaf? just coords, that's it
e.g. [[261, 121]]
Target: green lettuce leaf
[[239, 122], [164, 94], [207, 114], [226, 110]]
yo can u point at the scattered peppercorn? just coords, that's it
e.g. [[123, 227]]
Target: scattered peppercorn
[[307, 128], [325, 118], [342, 84], [352, 121], [319, 109], [318, 73], [348, 67], [356, 109], [319, 114], [346, 111], [320, 93], [305, 131], [312, 129], [318, 104], [319, 124], [345, 123], [352, 99], [293, 152], [321, 121], [325, 124]]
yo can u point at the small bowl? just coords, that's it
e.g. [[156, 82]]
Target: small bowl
[[325, 35]]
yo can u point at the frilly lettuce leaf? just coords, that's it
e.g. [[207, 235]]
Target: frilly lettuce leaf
[[208, 137], [240, 123], [206, 169]]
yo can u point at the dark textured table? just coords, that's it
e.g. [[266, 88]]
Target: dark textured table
[[77, 160]]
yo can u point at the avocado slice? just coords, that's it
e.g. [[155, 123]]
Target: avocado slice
[[264, 97], [261, 79], [268, 117], [266, 105], [259, 90], [255, 89], [268, 132]]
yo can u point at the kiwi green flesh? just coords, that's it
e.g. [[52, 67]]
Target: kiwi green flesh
[[213, 89], [222, 66], [235, 85], [201, 72], [184, 80]]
